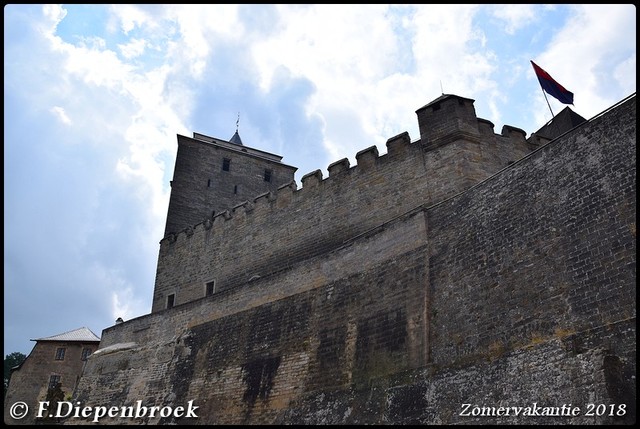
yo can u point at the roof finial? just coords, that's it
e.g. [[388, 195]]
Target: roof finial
[[237, 122], [442, 90]]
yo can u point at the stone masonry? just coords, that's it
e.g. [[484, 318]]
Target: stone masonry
[[454, 275]]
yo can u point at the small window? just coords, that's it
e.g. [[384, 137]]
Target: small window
[[267, 175], [171, 300], [210, 288], [209, 183], [54, 380], [235, 189], [226, 164], [60, 353], [86, 352]]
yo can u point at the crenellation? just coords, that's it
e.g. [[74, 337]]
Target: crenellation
[[535, 140], [263, 198], [285, 193], [398, 145], [366, 158], [514, 133], [207, 224], [338, 167], [244, 206], [311, 180], [181, 237], [198, 227], [221, 217], [263, 204], [290, 185], [486, 127]]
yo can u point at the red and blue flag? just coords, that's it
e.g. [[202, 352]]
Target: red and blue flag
[[551, 87]]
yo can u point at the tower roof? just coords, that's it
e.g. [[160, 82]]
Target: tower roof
[[564, 121], [236, 139], [444, 97], [81, 334]]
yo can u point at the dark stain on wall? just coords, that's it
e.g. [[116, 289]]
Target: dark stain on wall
[[258, 376], [619, 391], [380, 346]]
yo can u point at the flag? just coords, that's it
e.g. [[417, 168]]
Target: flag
[[551, 87]]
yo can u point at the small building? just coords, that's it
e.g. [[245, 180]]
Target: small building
[[58, 359]]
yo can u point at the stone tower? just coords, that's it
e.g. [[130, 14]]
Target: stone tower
[[212, 175]]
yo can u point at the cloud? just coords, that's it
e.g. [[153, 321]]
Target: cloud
[[623, 73], [133, 49], [60, 114], [515, 16]]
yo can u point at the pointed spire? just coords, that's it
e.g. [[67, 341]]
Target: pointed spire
[[236, 137]]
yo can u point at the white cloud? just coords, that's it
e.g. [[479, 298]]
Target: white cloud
[[154, 122], [127, 17], [515, 16], [123, 305], [624, 73], [60, 114], [54, 14], [369, 66], [133, 49]]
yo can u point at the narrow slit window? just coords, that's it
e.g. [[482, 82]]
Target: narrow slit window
[[235, 189], [210, 288], [226, 164], [267, 175], [171, 300]]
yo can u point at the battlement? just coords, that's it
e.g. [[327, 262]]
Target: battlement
[[269, 203], [272, 229]]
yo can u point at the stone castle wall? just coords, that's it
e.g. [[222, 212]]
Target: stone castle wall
[[277, 229], [515, 292], [547, 245]]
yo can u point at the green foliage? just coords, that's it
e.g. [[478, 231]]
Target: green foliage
[[12, 360], [54, 395]]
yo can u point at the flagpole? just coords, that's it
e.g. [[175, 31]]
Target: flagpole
[[545, 97]]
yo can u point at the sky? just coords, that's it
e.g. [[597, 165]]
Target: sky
[[95, 96]]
